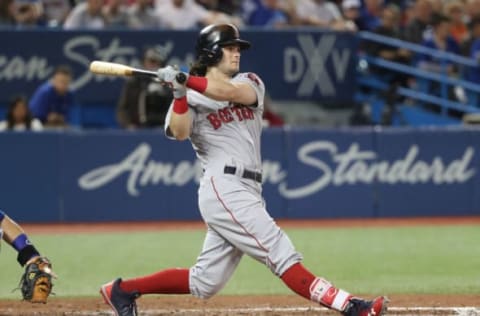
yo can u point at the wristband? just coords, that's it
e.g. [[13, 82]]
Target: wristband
[[26, 254], [180, 106], [197, 83], [20, 242]]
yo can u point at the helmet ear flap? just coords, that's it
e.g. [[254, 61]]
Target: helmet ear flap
[[212, 55]]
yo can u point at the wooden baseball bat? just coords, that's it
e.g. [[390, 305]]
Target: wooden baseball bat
[[116, 69]]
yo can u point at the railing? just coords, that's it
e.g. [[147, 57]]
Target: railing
[[419, 93]]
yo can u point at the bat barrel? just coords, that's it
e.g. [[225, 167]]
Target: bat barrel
[[108, 68]]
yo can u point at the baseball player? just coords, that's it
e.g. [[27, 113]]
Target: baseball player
[[36, 282], [221, 114]]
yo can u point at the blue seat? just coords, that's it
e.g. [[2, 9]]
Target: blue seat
[[416, 116]]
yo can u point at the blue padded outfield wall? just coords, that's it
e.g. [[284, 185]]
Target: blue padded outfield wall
[[122, 175], [291, 63]]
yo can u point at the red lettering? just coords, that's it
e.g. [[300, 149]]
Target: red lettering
[[225, 115], [247, 113], [250, 113], [238, 112], [214, 120]]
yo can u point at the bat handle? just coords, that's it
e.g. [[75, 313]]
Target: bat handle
[[181, 77]]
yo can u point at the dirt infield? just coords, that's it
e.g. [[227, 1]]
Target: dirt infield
[[277, 305], [243, 305]]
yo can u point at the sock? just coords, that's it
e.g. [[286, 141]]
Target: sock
[[170, 281], [319, 290], [298, 279]]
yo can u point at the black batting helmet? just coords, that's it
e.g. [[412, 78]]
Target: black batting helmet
[[211, 40]]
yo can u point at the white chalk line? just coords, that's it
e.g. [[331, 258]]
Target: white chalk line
[[458, 311]]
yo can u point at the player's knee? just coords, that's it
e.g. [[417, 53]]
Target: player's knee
[[204, 290], [204, 286], [207, 293]]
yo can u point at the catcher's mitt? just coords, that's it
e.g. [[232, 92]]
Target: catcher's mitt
[[36, 283]]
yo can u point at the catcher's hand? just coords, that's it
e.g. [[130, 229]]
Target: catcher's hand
[[36, 283]]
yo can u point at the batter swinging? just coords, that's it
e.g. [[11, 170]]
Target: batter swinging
[[221, 114]]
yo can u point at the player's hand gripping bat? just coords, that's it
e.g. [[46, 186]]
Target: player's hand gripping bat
[[115, 69]]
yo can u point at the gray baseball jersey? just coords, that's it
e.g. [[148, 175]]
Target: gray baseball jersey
[[226, 139]]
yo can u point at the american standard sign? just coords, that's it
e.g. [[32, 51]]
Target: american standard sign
[[307, 173], [335, 168]]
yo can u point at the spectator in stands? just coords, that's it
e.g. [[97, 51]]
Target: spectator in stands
[[247, 7], [320, 13], [472, 8], [52, 101], [230, 7], [19, 117], [28, 13], [115, 13], [86, 15], [401, 4], [7, 14], [407, 15], [351, 12], [187, 14], [143, 102], [414, 31], [441, 40], [287, 7], [474, 34], [458, 28], [474, 50], [268, 14], [142, 15], [389, 26], [56, 11], [290, 8], [437, 6], [370, 14]]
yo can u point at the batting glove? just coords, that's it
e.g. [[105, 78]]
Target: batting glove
[[169, 75]]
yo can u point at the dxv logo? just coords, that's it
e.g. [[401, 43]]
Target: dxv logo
[[307, 64]]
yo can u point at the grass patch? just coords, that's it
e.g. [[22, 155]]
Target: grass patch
[[424, 259]]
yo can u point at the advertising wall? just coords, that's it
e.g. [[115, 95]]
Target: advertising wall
[[291, 63], [308, 173]]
